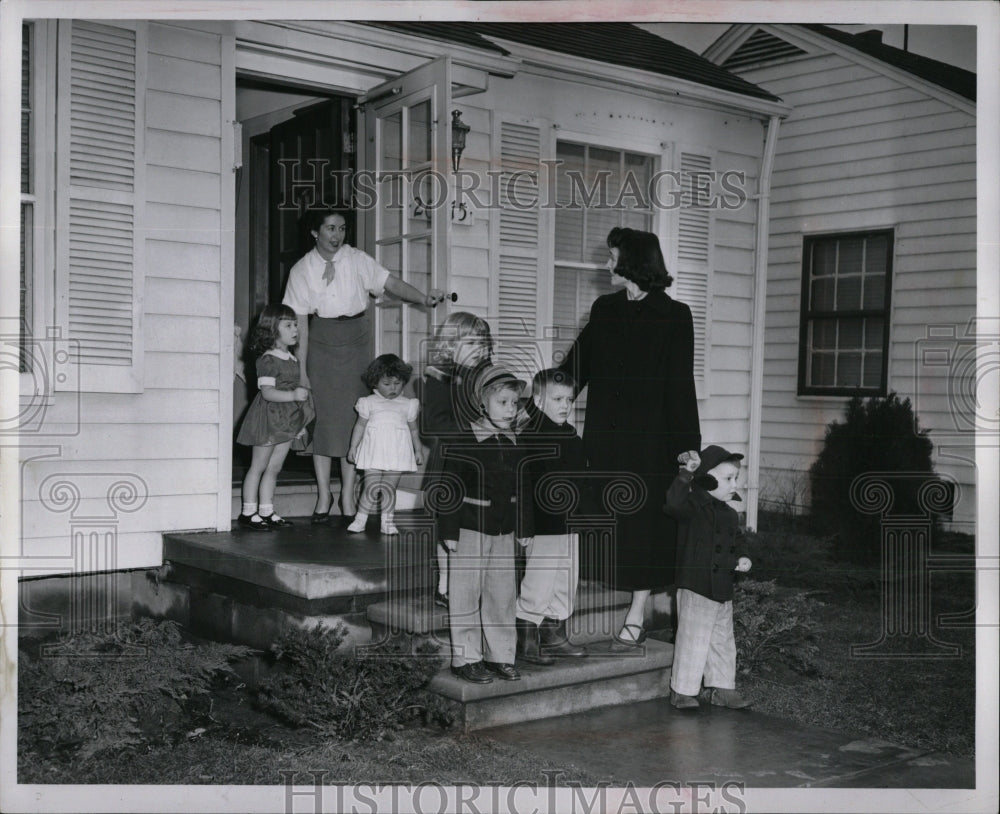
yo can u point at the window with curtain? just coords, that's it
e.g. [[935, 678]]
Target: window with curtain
[[846, 285], [597, 188]]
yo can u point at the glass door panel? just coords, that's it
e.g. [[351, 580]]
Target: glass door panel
[[409, 117]]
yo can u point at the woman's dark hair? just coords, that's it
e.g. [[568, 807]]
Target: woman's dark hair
[[314, 218], [388, 364], [639, 258], [265, 332]]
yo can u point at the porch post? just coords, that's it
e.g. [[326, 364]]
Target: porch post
[[759, 313]]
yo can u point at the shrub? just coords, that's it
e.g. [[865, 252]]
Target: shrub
[[110, 691], [877, 435], [350, 697], [773, 628]]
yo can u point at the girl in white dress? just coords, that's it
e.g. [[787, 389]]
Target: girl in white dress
[[385, 442]]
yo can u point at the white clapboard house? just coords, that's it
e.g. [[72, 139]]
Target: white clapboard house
[[166, 164], [871, 268]]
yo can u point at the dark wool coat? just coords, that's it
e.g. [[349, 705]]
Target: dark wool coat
[[489, 468], [636, 359], [555, 456], [447, 409], [708, 541]]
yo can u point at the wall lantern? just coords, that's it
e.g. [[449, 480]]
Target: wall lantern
[[459, 129]]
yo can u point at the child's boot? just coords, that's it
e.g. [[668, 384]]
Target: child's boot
[[553, 639], [528, 647], [684, 701], [719, 697]]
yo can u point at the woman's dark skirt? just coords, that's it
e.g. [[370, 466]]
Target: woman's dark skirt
[[339, 352]]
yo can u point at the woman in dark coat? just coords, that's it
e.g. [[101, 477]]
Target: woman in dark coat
[[636, 358]]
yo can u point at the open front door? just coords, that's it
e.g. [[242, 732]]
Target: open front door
[[408, 141]]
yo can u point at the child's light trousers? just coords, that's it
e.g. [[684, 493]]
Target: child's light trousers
[[704, 646], [482, 592], [548, 587]]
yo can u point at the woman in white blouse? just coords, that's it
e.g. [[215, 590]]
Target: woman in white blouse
[[330, 290]]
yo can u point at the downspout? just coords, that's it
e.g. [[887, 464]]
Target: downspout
[[759, 313]]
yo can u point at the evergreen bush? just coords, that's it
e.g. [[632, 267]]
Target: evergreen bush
[[774, 627], [348, 696], [877, 435], [104, 692]]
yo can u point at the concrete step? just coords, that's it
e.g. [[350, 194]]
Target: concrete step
[[598, 616], [248, 586], [603, 678]]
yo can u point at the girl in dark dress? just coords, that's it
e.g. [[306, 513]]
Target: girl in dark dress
[[636, 357], [277, 418]]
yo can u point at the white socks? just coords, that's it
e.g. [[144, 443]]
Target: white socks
[[358, 524]]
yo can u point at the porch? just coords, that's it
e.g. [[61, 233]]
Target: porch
[[249, 587]]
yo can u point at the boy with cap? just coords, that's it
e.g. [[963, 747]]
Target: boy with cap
[[707, 539], [485, 467], [556, 459]]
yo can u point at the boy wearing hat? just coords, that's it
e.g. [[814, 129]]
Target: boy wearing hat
[[707, 559], [485, 467]]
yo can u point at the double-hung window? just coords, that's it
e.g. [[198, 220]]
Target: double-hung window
[[597, 188], [844, 339]]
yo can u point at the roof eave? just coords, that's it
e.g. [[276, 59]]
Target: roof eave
[[661, 84]]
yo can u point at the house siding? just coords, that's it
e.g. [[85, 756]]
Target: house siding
[[166, 443], [632, 121], [864, 150], [162, 443]]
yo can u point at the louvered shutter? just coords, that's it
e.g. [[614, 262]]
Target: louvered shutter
[[99, 271], [694, 255], [519, 246]]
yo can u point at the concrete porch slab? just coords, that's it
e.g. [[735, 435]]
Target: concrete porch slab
[[310, 562]]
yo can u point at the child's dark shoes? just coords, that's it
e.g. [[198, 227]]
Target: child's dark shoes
[[441, 600], [476, 673], [275, 521], [683, 701], [507, 672], [254, 522], [719, 697]]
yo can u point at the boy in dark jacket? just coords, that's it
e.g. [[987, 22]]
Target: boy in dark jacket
[[707, 541], [556, 458], [485, 467]]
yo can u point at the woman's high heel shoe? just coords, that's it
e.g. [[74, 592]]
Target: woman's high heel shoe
[[345, 517], [321, 517]]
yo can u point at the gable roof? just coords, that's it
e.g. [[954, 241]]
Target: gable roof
[[949, 77], [763, 45], [620, 44]]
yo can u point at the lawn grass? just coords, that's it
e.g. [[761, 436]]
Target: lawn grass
[[913, 699]]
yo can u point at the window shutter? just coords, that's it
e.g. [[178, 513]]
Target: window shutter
[[694, 252], [519, 228], [100, 160]]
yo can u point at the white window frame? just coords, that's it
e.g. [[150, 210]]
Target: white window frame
[[660, 152], [34, 383]]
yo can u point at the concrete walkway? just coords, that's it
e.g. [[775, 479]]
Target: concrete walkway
[[650, 742]]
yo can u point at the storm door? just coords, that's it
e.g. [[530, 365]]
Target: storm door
[[407, 135]]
